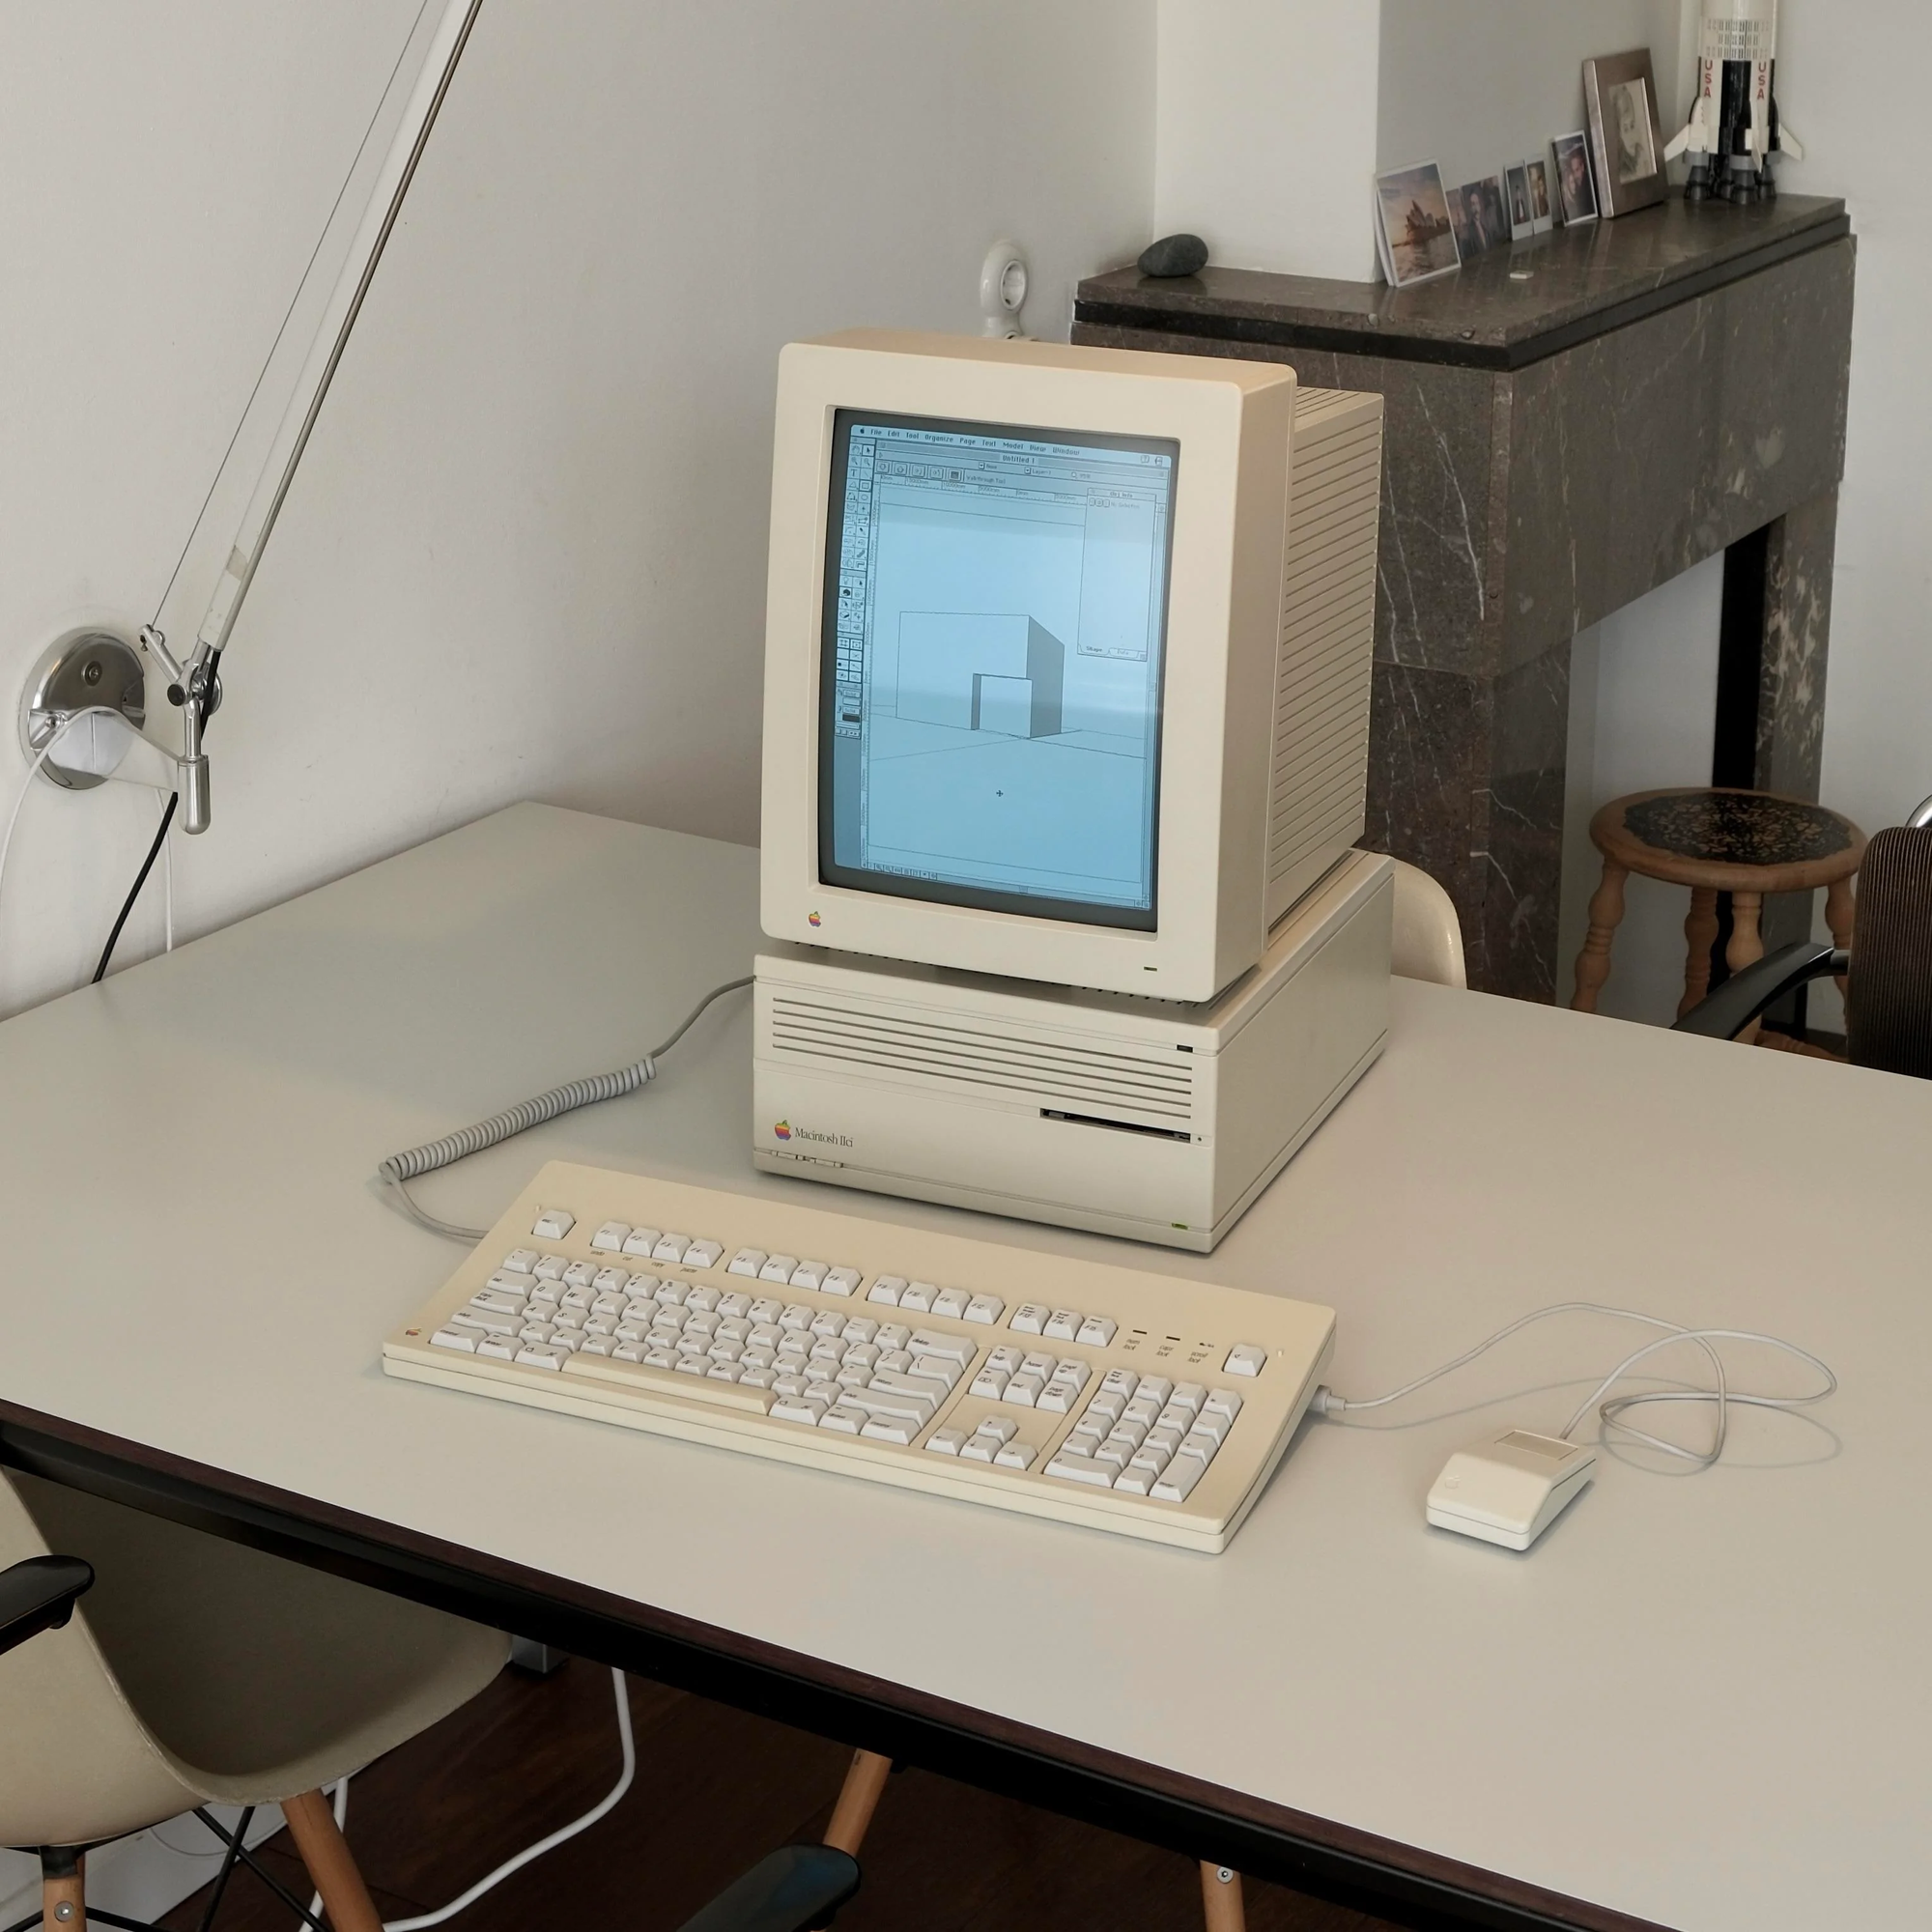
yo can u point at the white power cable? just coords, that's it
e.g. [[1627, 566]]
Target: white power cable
[[549, 1844], [167, 881], [60, 731], [558, 1837], [402, 1168], [1327, 1403]]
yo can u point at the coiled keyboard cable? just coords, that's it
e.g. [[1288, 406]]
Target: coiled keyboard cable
[[400, 1169]]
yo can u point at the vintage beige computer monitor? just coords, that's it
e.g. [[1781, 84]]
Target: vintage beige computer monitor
[[1066, 678]]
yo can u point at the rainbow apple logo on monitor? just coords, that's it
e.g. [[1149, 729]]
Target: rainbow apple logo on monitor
[[813, 919], [783, 1129]]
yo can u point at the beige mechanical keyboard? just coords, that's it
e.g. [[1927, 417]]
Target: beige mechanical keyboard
[[1143, 1404]]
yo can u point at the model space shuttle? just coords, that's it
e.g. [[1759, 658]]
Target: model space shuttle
[[1733, 131]]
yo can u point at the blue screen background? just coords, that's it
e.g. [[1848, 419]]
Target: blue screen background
[[995, 701]]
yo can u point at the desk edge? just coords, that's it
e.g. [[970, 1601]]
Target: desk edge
[[1186, 1814]]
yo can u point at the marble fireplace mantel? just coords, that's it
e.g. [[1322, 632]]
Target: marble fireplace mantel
[[1571, 422]]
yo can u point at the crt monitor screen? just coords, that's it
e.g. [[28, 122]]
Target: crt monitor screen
[[995, 626]]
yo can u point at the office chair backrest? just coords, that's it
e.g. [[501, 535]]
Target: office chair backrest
[[1427, 938], [71, 1745], [1889, 993]]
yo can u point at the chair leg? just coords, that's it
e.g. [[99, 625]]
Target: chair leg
[[345, 1898], [858, 1799], [1841, 910], [1593, 963], [1700, 934], [63, 1893], [1747, 946], [1221, 1899]]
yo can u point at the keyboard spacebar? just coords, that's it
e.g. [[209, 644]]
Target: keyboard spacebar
[[667, 1381]]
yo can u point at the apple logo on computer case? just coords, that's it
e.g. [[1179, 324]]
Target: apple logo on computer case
[[783, 1129]]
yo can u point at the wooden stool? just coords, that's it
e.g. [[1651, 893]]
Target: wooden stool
[[1717, 839]]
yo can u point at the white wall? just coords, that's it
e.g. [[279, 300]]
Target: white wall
[[1274, 114], [1478, 84], [525, 557], [1267, 131], [1851, 74], [1643, 690]]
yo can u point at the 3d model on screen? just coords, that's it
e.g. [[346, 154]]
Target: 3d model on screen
[[1733, 130]]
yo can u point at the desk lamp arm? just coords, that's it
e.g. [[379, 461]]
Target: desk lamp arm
[[195, 687]]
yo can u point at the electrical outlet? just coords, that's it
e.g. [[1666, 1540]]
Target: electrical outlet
[[1003, 289]]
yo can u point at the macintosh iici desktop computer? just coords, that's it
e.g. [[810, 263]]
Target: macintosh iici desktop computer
[[1067, 696], [1066, 722]]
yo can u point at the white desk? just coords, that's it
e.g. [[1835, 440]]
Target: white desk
[[1701, 1701]]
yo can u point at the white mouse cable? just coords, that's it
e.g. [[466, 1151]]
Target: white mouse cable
[[1328, 1404], [1612, 1412]]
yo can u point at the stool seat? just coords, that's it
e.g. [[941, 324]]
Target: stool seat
[[1730, 839], [1717, 839]]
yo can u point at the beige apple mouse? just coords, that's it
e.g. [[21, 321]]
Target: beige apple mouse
[[1509, 1489]]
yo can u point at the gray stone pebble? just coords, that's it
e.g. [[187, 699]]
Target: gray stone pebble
[[1174, 255]]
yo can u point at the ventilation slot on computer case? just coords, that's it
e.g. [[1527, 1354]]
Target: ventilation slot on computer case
[[1051, 1074], [1317, 791]]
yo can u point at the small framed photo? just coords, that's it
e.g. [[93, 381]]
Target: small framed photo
[[1417, 238], [1521, 214], [1480, 217], [1575, 192], [1626, 138], [1541, 218]]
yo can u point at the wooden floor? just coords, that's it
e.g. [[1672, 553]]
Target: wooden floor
[[715, 1791]]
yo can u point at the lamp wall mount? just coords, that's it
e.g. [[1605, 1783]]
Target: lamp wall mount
[[86, 666]]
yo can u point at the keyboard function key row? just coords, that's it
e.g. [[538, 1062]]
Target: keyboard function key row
[[924, 1297], [657, 1244], [788, 1270], [1065, 1324]]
